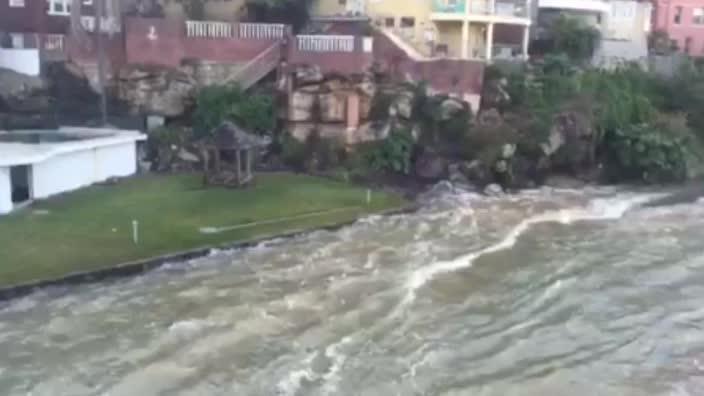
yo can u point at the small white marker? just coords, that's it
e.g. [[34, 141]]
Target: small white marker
[[135, 232], [369, 196]]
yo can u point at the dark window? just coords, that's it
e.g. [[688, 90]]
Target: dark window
[[408, 22], [678, 15], [389, 22]]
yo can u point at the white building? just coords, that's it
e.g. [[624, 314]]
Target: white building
[[39, 164], [624, 25]]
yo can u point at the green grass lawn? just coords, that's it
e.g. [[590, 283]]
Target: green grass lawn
[[91, 228]]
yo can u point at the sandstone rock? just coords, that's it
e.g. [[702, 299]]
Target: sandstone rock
[[493, 190], [367, 86], [309, 75], [158, 91], [451, 106], [508, 150], [22, 93], [476, 172], [403, 105], [431, 166], [456, 176], [490, 117], [301, 105], [333, 107], [187, 156], [495, 93], [569, 143], [501, 166]]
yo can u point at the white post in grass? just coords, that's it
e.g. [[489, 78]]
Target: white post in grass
[[369, 196], [135, 232]]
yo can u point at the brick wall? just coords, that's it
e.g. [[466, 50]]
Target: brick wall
[[448, 76], [164, 42]]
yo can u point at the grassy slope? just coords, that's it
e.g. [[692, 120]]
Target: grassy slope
[[91, 228]]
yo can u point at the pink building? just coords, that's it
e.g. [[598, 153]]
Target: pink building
[[683, 21]]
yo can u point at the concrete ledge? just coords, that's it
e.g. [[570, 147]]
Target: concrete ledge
[[139, 267]]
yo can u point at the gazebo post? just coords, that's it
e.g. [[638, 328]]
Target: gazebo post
[[239, 166], [217, 159], [249, 164]]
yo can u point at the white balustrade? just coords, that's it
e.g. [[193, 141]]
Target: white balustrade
[[54, 42], [209, 29], [320, 43], [264, 31]]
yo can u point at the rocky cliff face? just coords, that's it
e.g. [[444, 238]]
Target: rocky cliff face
[[169, 92], [20, 93], [158, 91]]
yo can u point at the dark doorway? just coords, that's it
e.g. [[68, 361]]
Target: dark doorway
[[20, 177]]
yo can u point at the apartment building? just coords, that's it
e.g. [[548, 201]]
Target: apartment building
[[463, 29], [683, 21], [616, 19]]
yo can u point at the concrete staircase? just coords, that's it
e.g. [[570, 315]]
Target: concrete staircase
[[259, 67]]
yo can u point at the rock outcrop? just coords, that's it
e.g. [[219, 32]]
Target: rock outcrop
[[21, 93], [159, 91]]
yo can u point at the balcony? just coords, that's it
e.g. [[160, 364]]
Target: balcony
[[599, 6], [481, 10]]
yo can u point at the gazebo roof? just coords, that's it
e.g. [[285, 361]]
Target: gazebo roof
[[230, 136]]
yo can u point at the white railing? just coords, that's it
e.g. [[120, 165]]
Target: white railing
[[319, 43], [265, 31], [209, 29], [54, 42]]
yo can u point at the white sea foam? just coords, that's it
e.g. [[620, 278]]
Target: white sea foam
[[597, 209]]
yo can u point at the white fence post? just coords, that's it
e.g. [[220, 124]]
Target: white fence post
[[209, 29], [324, 43]]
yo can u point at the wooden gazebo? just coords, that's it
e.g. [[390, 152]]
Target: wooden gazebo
[[228, 155]]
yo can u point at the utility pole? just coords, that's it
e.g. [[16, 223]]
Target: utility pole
[[100, 14]]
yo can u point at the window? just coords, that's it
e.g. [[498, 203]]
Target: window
[[17, 40], [342, 2], [698, 16], [16, 3], [59, 7], [408, 22], [687, 45], [389, 22], [678, 15]]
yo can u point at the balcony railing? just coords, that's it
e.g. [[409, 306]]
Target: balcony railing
[[449, 6], [320, 43], [481, 7]]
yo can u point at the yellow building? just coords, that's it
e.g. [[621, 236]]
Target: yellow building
[[467, 29]]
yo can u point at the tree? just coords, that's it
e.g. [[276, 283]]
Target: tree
[[194, 9], [291, 12], [573, 37], [104, 9], [216, 104]]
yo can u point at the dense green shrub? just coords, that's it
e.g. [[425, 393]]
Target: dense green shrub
[[293, 152], [394, 153], [571, 36], [660, 151], [379, 107], [216, 104], [315, 154]]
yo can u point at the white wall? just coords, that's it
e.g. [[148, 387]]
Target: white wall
[[5, 191], [20, 60], [78, 169], [628, 20]]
